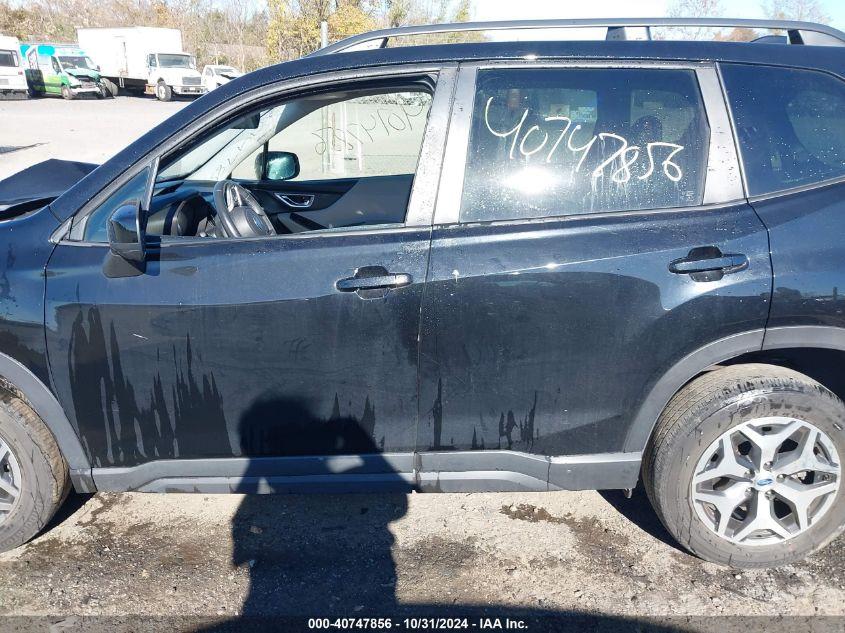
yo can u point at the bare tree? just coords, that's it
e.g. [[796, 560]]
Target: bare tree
[[694, 9], [805, 10]]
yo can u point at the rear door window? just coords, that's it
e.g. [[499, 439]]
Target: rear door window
[[553, 142], [790, 124]]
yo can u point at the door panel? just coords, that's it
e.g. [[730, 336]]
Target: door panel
[[335, 203], [238, 348], [545, 337]]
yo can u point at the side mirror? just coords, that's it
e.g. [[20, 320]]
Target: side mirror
[[281, 166], [127, 238]]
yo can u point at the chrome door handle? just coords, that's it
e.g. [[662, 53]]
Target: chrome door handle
[[296, 200]]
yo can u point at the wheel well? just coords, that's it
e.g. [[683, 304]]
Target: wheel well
[[822, 365]]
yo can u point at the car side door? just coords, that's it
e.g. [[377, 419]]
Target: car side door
[[230, 355], [591, 231]]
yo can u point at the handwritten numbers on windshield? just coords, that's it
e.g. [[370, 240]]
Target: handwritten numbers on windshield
[[620, 164]]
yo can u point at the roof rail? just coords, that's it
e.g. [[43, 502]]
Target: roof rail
[[807, 33]]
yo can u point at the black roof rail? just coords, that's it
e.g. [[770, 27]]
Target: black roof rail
[[807, 33]]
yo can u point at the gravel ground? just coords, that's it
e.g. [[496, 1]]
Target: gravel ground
[[136, 557]]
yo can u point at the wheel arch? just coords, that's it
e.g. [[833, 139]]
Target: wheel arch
[[19, 380], [751, 346]]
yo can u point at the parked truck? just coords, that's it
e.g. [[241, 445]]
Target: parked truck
[[12, 78], [143, 60], [61, 69]]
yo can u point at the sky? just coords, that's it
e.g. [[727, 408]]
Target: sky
[[537, 9]]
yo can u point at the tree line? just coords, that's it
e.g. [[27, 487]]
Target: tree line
[[244, 34]]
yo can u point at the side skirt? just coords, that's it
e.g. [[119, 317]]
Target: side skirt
[[472, 471]]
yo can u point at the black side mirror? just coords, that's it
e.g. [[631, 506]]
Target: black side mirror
[[281, 166], [127, 238]]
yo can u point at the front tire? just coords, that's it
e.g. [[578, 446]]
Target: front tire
[[744, 466], [67, 94], [33, 474], [163, 91]]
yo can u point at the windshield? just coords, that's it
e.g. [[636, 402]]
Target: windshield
[[76, 61], [175, 61], [8, 58], [224, 70]]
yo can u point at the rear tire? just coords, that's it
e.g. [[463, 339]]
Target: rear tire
[[33, 474], [713, 430]]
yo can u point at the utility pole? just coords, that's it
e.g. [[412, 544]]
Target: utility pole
[[324, 34]]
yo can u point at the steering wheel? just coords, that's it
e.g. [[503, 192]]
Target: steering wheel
[[239, 214]]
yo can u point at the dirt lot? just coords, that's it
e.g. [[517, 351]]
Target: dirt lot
[[231, 556]]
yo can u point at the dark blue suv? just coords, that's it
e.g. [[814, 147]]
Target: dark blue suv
[[458, 267]]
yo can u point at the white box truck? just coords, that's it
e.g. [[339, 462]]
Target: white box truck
[[12, 77], [143, 59]]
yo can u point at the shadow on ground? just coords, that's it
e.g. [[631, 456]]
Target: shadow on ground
[[330, 557]]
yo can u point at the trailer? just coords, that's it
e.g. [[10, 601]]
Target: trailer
[[143, 60], [12, 77]]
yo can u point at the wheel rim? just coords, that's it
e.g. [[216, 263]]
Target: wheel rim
[[766, 481], [10, 480], [160, 91]]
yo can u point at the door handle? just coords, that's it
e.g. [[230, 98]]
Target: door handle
[[708, 263], [725, 263], [296, 200], [389, 280]]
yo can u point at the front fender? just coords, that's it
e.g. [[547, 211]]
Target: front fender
[[21, 381]]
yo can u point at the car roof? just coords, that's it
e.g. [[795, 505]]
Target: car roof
[[825, 58]]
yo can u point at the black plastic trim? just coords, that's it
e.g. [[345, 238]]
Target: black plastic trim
[[681, 373], [42, 401], [823, 336], [472, 471]]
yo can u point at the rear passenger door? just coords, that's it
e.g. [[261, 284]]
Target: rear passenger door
[[591, 230]]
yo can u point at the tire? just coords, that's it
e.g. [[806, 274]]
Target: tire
[[38, 464], [111, 87], [730, 403], [163, 91], [67, 94]]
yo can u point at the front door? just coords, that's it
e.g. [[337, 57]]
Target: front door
[[295, 346], [579, 262]]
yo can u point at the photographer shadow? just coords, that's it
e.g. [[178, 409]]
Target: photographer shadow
[[331, 555]]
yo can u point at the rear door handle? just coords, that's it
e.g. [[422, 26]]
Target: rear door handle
[[390, 280]]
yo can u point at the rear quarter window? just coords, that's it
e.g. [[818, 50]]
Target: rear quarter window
[[790, 125]]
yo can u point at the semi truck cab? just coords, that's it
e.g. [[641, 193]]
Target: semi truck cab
[[171, 73]]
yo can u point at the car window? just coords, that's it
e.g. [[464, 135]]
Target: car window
[[331, 160], [8, 58], [790, 124], [94, 226], [550, 142], [371, 135]]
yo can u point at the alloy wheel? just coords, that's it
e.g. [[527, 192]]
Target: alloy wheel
[[766, 480], [10, 480]]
